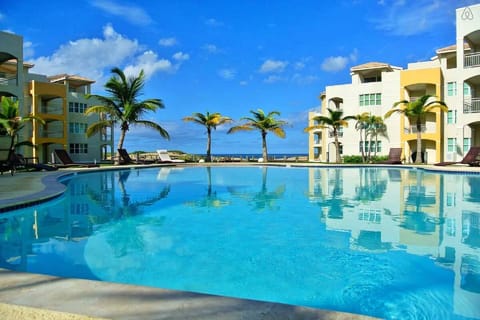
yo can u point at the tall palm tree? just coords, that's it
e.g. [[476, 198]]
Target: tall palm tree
[[209, 121], [376, 128], [335, 120], [416, 111], [11, 123], [123, 106], [264, 123], [361, 125]]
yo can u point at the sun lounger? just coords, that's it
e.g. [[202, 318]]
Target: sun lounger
[[126, 159], [24, 163], [394, 156], [472, 158], [6, 162], [67, 162], [163, 156]]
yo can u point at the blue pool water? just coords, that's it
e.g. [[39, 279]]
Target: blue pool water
[[391, 243]]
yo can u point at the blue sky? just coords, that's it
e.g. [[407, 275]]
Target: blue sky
[[228, 56]]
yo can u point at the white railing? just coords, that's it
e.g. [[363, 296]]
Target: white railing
[[471, 60], [471, 105], [330, 134], [413, 129]]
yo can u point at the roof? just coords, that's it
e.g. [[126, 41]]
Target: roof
[[13, 62], [373, 65], [70, 78], [452, 48]]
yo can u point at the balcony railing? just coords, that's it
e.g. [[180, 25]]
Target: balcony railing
[[471, 60], [51, 134], [413, 129], [471, 105], [330, 134]]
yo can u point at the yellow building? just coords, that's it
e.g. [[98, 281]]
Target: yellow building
[[59, 100]]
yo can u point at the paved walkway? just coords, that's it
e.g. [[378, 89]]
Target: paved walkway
[[34, 296]]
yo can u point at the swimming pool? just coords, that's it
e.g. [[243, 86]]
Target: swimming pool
[[386, 242]]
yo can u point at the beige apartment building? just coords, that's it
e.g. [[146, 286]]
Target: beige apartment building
[[60, 100], [452, 75]]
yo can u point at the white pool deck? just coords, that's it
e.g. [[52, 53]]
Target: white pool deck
[[97, 299]]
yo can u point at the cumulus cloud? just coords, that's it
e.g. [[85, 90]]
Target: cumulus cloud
[[91, 57], [211, 48], [167, 42], [273, 66], [227, 74], [406, 19], [150, 64], [337, 63], [28, 50], [131, 13], [180, 56]]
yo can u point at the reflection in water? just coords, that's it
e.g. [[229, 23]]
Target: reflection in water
[[389, 242]]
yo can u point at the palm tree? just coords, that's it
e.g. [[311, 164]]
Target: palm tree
[[209, 121], [377, 128], [123, 106], [265, 123], [335, 120], [361, 125], [416, 111], [11, 123]]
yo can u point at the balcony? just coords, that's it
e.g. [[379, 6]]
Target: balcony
[[413, 129], [471, 60], [471, 105], [51, 134], [330, 134]]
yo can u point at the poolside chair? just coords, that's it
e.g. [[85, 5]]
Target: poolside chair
[[24, 163], [163, 156], [7, 162], [472, 158], [126, 159], [394, 156], [67, 162]]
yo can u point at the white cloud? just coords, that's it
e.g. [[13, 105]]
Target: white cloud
[[167, 42], [28, 50], [243, 83], [211, 48], [91, 57], [180, 56], [213, 23], [150, 64], [333, 64], [273, 66], [301, 79], [273, 79], [131, 13], [406, 19], [227, 74]]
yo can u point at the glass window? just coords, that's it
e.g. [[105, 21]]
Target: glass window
[[360, 146], [451, 89], [379, 146], [362, 101], [452, 116], [466, 89], [467, 142], [451, 142], [378, 99]]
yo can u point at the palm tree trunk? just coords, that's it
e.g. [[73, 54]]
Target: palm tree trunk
[[418, 158], [209, 145], [362, 144], [337, 146], [119, 146], [264, 146]]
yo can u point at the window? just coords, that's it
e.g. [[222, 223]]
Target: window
[[466, 89], [467, 142], [77, 148], [451, 89], [452, 116], [370, 99], [77, 128], [451, 142], [379, 146], [77, 107]]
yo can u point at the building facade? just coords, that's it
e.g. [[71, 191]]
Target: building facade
[[452, 76], [59, 100]]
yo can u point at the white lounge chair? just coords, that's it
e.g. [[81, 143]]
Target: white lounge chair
[[163, 156]]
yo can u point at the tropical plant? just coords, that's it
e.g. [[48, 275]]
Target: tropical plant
[[264, 123], [361, 125], [335, 120], [376, 127], [123, 106], [209, 121], [416, 111], [11, 123]]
